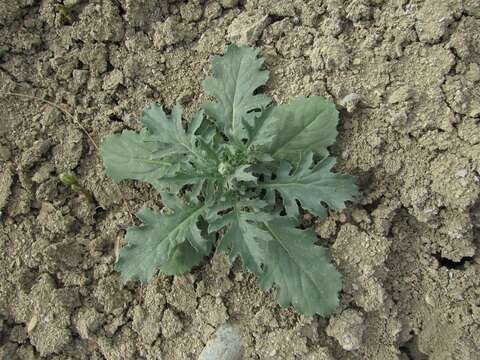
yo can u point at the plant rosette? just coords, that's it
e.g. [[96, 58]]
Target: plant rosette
[[235, 178]]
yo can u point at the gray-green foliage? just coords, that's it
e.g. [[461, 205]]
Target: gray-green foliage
[[235, 177]]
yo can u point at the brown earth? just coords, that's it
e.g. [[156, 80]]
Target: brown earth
[[405, 73]]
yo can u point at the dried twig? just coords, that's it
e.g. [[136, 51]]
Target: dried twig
[[76, 122], [56, 106]]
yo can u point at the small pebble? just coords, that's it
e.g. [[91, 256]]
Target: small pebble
[[226, 345], [347, 328], [351, 101], [461, 173]]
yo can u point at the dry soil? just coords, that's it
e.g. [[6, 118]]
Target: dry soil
[[406, 76]]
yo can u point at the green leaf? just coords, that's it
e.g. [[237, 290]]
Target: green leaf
[[69, 179], [182, 258], [130, 155], [311, 186], [185, 176], [242, 173], [236, 76], [153, 244], [260, 134], [165, 155], [243, 235], [299, 270], [169, 130], [306, 124]]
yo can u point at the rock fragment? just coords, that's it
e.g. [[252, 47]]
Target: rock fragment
[[348, 329], [247, 28], [226, 345], [435, 17], [351, 101]]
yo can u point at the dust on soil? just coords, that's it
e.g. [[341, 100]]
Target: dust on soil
[[407, 74]]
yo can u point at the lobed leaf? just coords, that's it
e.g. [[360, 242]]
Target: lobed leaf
[[153, 244], [311, 186], [299, 270], [306, 124], [244, 236], [168, 130], [130, 155], [182, 258], [236, 76]]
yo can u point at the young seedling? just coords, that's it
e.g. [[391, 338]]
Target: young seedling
[[70, 180], [65, 12], [236, 178]]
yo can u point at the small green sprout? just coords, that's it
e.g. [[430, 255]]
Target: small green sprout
[[70, 180], [65, 12]]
